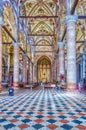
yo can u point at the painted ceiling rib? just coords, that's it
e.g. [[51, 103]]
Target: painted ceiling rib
[[4, 27], [82, 17], [44, 51], [80, 41], [41, 45], [37, 17], [40, 35], [74, 6]]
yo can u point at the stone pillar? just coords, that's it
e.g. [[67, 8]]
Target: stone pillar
[[55, 69], [28, 72], [34, 73], [16, 65], [31, 73], [61, 59], [1, 23], [71, 51], [51, 80], [0, 54], [57, 63], [24, 69], [8, 68]]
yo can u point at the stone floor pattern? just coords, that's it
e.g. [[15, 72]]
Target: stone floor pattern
[[41, 110]]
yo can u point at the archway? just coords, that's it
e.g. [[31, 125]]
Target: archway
[[44, 69]]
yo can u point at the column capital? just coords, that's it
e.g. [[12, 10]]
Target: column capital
[[60, 44], [25, 54], [16, 44], [71, 18]]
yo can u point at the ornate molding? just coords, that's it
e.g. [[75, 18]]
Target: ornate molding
[[61, 44], [16, 44], [71, 18]]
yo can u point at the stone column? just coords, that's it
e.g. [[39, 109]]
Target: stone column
[[0, 54], [24, 69], [55, 69], [34, 73], [71, 51], [1, 23], [8, 68], [51, 72], [16, 65], [28, 73], [31, 72], [61, 59], [57, 61]]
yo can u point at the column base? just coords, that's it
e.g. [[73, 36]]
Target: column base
[[71, 87], [24, 84], [0, 87], [15, 85]]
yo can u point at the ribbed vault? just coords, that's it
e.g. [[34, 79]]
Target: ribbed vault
[[42, 30]]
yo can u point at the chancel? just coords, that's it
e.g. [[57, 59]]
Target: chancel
[[42, 64]]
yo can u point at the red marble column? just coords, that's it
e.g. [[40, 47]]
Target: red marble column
[[34, 73], [28, 76], [31, 73], [0, 55], [61, 58], [51, 80], [16, 65], [57, 67], [24, 69], [71, 51], [54, 71]]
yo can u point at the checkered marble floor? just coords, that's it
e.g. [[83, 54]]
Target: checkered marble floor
[[43, 110]]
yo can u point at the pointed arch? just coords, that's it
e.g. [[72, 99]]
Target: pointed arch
[[44, 69], [10, 17]]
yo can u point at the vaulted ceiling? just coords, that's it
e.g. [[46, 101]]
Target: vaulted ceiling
[[42, 29], [47, 30], [45, 23]]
